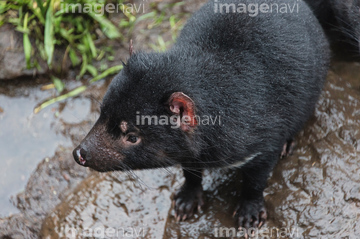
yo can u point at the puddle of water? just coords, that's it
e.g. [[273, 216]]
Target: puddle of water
[[27, 138]]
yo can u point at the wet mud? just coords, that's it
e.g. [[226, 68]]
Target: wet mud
[[313, 193]]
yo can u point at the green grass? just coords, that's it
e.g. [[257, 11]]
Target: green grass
[[176, 23], [51, 25]]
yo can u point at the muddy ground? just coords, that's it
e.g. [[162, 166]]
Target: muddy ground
[[314, 193]]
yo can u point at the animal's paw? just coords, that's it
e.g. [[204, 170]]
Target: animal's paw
[[187, 201], [250, 214]]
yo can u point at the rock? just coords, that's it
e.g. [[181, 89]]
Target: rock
[[316, 190], [53, 179], [12, 60], [114, 205]]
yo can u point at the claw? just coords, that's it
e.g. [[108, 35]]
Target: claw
[[260, 224], [187, 202], [251, 214], [288, 149]]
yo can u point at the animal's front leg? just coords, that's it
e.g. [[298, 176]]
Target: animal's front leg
[[250, 211], [188, 199]]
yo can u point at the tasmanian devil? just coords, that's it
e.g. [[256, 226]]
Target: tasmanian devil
[[259, 75], [340, 19]]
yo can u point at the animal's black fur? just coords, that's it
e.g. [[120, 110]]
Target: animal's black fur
[[262, 75], [341, 20]]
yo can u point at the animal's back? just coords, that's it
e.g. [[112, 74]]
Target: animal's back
[[266, 71]]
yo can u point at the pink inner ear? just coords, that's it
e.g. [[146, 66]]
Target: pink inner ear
[[175, 107], [180, 102]]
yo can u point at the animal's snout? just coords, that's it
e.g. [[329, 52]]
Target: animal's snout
[[80, 155]]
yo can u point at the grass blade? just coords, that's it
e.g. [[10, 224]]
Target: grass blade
[[75, 60], [72, 93], [26, 42], [92, 70], [107, 27], [83, 66], [38, 12], [49, 33], [40, 5], [110, 71], [91, 45], [59, 85]]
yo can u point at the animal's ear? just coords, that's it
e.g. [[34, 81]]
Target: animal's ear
[[183, 107]]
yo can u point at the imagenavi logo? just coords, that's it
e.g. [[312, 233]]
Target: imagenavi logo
[[253, 9]]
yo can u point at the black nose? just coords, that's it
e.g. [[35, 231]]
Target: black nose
[[80, 155]]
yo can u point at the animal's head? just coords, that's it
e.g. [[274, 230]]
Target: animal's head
[[145, 121]]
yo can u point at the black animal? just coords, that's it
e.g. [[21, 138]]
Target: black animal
[[259, 75], [341, 21]]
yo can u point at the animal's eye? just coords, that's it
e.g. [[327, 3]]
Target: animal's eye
[[132, 139]]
